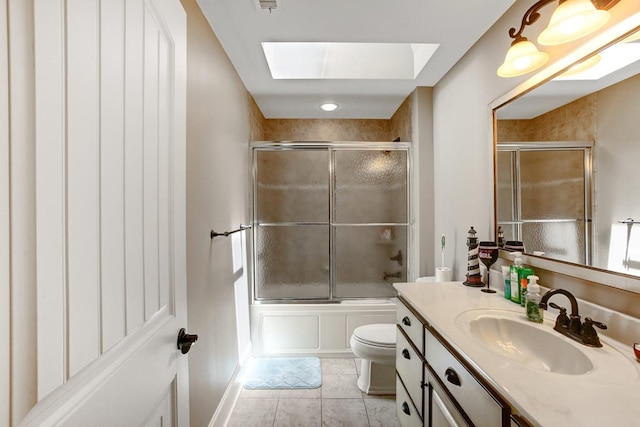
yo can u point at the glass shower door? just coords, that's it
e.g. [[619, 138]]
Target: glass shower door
[[330, 222], [292, 224], [370, 221]]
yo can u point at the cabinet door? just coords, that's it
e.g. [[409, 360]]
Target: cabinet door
[[443, 414], [407, 414]]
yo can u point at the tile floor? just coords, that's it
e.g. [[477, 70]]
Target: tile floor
[[338, 402]]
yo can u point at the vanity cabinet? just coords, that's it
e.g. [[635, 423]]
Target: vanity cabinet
[[435, 387]]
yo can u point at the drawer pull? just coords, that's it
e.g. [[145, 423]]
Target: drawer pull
[[405, 408], [452, 376], [406, 321], [405, 354]]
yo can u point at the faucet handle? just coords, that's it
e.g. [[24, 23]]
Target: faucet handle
[[589, 335], [562, 319], [589, 323]]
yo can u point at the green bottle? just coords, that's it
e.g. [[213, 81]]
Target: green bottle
[[514, 272]]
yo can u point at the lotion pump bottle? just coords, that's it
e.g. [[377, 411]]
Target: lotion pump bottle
[[514, 272], [534, 313]]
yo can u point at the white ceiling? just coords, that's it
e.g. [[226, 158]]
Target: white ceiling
[[241, 26]]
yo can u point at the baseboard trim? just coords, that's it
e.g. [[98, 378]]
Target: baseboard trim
[[230, 397]]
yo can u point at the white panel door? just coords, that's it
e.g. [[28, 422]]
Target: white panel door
[[5, 199], [110, 207]]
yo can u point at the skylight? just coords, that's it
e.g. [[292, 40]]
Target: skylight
[[289, 60]]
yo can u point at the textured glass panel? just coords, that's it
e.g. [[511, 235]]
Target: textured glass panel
[[370, 186], [363, 257], [510, 231], [293, 186], [559, 240], [506, 186], [292, 262], [552, 184]]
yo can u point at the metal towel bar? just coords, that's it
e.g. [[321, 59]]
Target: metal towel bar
[[227, 233]]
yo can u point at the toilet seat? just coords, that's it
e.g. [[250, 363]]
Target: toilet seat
[[377, 335]]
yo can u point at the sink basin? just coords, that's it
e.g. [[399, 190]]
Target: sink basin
[[530, 345]]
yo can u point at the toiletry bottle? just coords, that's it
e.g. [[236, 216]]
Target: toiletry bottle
[[506, 277], [514, 274], [534, 313], [524, 273]]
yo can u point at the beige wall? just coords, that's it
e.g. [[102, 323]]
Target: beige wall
[[218, 131], [401, 125], [575, 121], [617, 171]]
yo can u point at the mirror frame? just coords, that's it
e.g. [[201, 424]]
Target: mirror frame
[[592, 47]]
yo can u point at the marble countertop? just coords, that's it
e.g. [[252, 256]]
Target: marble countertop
[[609, 394]]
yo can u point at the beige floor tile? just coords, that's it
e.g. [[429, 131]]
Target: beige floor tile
[[382, 412], [259, 394], [301, 393], [253, 413], [340, 387], [299, 413], [338, 366], [344, 412]]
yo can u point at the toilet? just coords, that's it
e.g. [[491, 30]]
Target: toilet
[[376, 345]]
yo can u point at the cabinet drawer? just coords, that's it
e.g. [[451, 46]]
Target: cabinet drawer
[[409, 367], [406, 412], [411, 325], [479, 405], [443, 411]]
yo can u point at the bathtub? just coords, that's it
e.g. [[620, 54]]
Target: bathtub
[[314, 329]]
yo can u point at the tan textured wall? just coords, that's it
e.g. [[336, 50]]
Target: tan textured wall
[[576, 121], [257, 121], [400, 126], [327, 130]]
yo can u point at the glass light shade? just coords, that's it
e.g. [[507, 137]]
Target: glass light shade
[[572, 20], [632, 38], [522, 58], [582, 66]]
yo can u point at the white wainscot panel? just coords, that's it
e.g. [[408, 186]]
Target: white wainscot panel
[[291, 332]]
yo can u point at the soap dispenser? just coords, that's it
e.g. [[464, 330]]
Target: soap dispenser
[[534, 312]]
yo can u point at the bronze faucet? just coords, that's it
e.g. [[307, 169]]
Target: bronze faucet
[[572, 327]]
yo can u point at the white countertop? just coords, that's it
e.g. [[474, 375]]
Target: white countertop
[[608, 395]]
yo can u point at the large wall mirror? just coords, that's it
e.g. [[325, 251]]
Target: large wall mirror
[[568, 164]]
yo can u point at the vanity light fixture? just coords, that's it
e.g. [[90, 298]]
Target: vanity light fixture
[[329, 106], [571, 20]]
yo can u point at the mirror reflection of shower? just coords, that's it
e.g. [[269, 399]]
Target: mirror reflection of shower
[[330, 220]]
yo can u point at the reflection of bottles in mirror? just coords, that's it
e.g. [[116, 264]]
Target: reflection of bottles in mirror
[[500, 238]]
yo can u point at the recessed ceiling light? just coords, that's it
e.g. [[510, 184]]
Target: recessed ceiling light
[[294, 60], [329, 106]]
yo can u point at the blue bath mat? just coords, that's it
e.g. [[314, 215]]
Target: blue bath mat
[[283, 373]]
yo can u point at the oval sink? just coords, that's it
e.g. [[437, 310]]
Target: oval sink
[[530, 345]]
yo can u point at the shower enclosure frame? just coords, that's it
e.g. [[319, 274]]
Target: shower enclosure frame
[[331, 147], [587, 148]]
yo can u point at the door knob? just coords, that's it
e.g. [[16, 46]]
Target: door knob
[[185, 341]]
